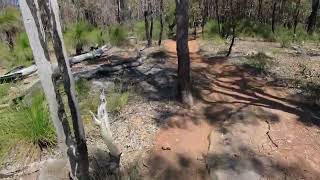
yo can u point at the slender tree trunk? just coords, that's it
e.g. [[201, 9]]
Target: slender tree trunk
[[146, 27], [313, 16], [82, 162], [119, 11], [149, 16], [161, 22], [218, 16], [296, 18], [184, 86], [260, 10], [232, 41], [273, 15]]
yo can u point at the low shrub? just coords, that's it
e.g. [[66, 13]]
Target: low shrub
[[260, 62], [117, 35]]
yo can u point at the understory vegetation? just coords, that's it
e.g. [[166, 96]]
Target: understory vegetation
[[27, 122]]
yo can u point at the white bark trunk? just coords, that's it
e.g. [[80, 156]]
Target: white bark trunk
[[102, 120]]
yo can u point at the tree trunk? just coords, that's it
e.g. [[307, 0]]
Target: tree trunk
[[296, 18], [313, 16], [161, 22], [9, 38], [146, 26], [184, 86], [260, 11], [119, 11], [82, 162], [232, 41], [218, 16], [273, 15], [151, 23]]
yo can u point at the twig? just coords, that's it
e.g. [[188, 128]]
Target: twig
[[267, 133]]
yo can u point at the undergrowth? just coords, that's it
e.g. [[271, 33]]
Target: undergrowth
[[26, 122], [260, 62]]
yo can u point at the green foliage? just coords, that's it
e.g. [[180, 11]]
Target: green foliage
[[28, 123], [97, 37], [4, 90], [253, 29], [76, 34], [116, 101], [284, 36], [20, 55], [139, 30], [82, 88], [117, 35], [211, 31], [10, 19], [260, 62], [22, 52]]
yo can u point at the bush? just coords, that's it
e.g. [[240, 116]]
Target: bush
[[252, 29], [116, 101], [76, 35], [260, 62], [211, 29], [82, 88], [284, 36], [4, 90], [139, 30], [26, 123], [97, 37], [117, 35]]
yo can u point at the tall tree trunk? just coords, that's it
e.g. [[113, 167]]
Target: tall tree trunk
[[150, 14], [161, 22], [260, 11], [82, 162], [313, 16], [119, 11], [296, 18], [218, 16], [146, 27], [184, 86], [273, 15]]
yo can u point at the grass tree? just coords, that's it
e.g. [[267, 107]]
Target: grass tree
[[9, 24], [77, 149]]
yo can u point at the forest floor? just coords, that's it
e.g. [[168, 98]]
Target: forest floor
[[249, 120], [241, 127]]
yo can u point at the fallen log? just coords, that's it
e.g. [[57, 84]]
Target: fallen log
[[21, 72]]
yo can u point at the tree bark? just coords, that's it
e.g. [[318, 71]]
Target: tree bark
[[81, 160], [273, 15], [146, 27], [161, 22], [149, 16], [313, 16], [217, 15], [232, 41], [184, 84], [296, 18]]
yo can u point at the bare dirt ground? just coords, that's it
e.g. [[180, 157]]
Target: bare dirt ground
[[240, 128]]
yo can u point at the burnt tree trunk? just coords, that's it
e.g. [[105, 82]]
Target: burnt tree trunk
[[119, 11], [149, 16], [217, 15], [232, 41], [260, 11], [273, 15], [184, 84], [296, 18], [161, 22], [312, 19]]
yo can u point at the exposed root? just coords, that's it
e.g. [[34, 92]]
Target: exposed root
[[267, 133]]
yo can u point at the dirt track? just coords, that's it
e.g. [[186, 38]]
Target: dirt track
[[240, 127]]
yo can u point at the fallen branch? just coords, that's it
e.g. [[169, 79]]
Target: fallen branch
[[89, 55], [102, 120]]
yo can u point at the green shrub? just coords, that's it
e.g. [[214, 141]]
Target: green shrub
[[211, 29], [82, 88], [97, 37], [10, 19], [116, 101], [22, 52], [4, 90], [26, 123], [248, 28], [117, 35], [76, 35], [139, 30], [5, 55], [261, 62], [284, 36]]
